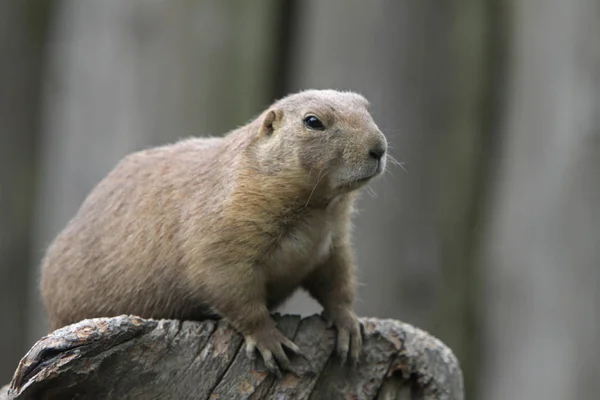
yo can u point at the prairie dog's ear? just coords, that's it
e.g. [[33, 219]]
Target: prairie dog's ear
[[270, 122]]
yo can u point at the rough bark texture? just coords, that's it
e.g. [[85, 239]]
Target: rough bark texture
[[130, 357]]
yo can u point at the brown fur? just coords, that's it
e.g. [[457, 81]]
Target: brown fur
[[229, 225]]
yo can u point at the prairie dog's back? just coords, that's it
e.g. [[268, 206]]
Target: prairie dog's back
[[123, 241]]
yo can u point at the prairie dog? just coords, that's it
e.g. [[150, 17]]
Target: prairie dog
[[230, 226]]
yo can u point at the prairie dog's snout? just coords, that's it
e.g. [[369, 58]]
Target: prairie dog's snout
[[366, 157], [377, 151]]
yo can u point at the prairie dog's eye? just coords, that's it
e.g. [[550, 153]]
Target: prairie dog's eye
[[314, 123]]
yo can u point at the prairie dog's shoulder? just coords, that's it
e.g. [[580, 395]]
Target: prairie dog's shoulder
[[197, 144], [172, 163], [152, 177], [186, 149]]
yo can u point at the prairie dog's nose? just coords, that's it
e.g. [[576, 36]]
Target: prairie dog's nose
[[377, 151]]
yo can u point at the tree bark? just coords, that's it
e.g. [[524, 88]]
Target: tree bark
[[130, 357]]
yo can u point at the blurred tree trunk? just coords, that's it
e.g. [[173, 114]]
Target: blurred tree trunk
[[22, 36], [542, 257], [424, 67], [125, 75]]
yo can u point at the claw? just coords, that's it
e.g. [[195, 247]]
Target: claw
[[304, 357], [349, 337], [270, 362], [355, 347], [294, 348], [301, 354], [282, 359], [250, 347], [270, 343], [275, 371], [343, 343]]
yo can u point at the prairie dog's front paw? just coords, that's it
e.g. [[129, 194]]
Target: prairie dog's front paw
[[270, 341], [349, 337]]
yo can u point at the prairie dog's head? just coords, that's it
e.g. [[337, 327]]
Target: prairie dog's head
[[327, 136]]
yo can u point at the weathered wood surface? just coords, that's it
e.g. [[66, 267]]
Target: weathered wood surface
[[129, 357]]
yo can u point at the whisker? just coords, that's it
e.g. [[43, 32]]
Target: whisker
[[314, 187], [396, 162], [387, 170], [393, 160], [371, 192]]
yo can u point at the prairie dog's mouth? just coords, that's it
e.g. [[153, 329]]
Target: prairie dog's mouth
[[373, 174], [366, 178], [363, 175], [362, 180]]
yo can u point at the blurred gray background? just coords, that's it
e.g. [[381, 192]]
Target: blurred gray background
[[490, 239]]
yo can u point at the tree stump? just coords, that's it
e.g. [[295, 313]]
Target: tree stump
[[128, 357]]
